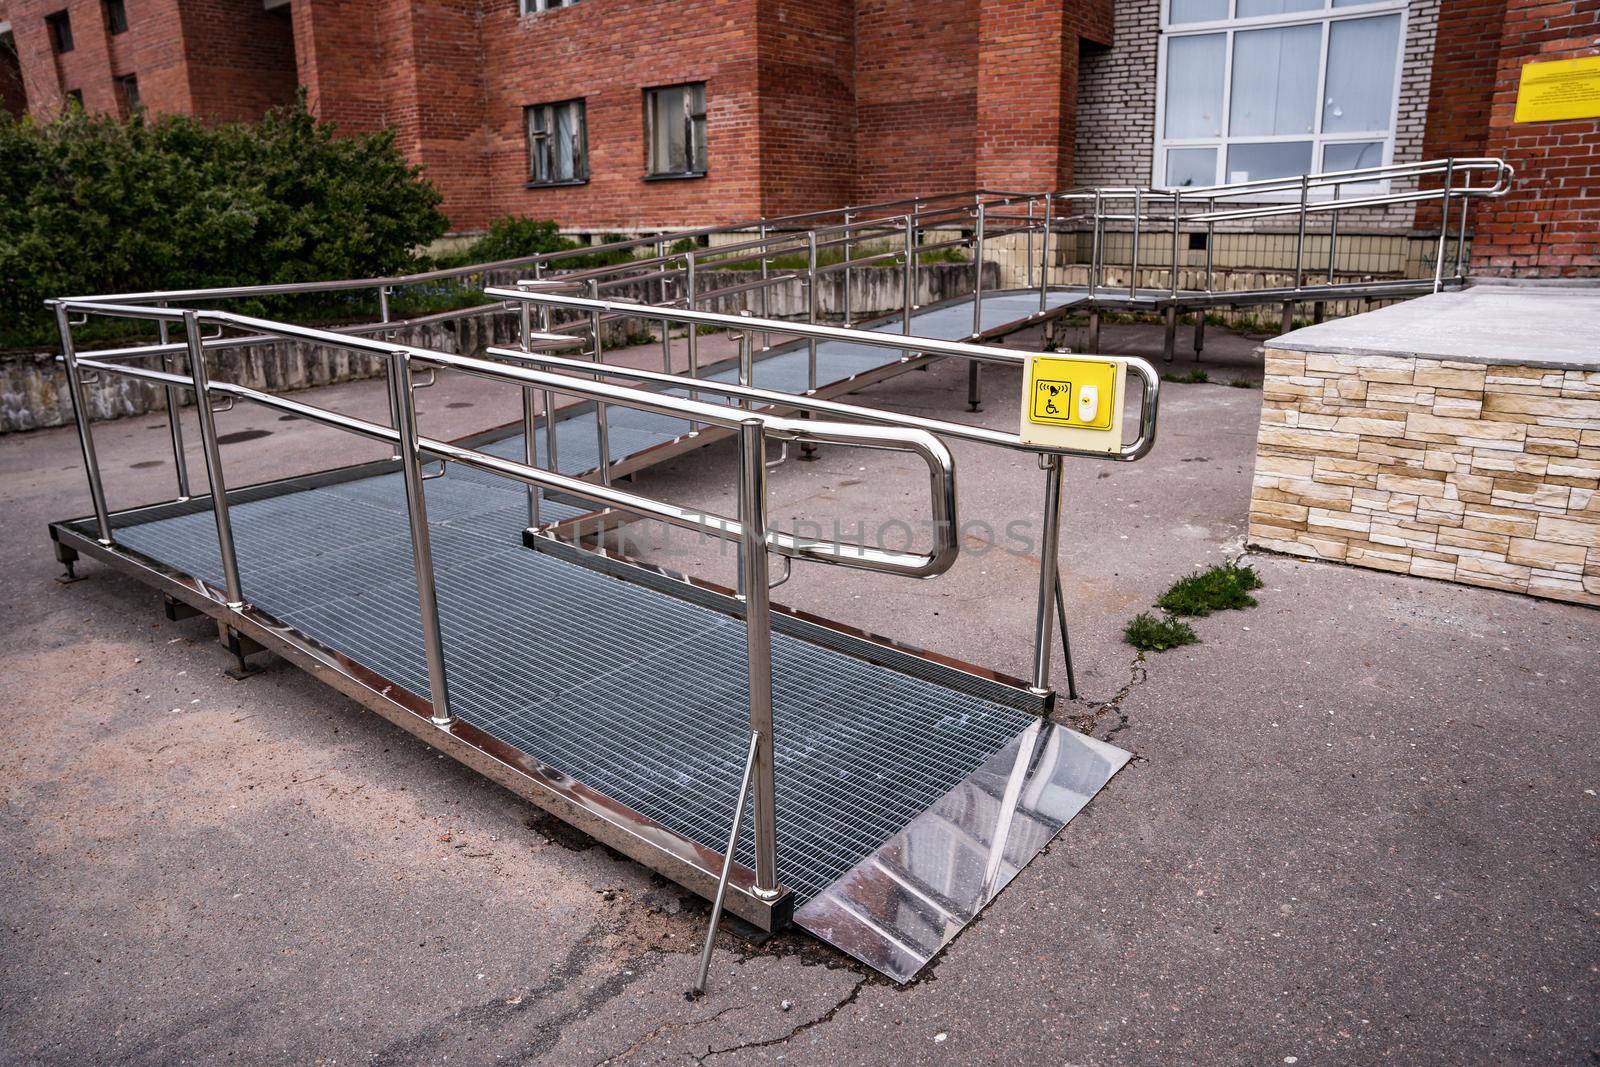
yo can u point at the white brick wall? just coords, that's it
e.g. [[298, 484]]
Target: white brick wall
[[1117, 107]]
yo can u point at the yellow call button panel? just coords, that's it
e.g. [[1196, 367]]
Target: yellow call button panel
[[1073, 402]]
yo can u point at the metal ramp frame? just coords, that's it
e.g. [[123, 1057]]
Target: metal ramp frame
[[911, 787]]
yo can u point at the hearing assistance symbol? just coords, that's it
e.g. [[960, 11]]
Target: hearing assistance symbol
[[1052, 401]]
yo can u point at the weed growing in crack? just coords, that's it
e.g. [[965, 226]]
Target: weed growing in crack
[[1244, 383], [1150, 634], [1194, 377], [1218, 588]]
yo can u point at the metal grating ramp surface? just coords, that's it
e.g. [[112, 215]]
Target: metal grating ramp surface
[[636, 693]]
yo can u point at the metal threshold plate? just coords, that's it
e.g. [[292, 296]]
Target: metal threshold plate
[[898, 907]]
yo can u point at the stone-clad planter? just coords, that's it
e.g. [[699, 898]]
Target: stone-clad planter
[[1456, 437], [33, 392]]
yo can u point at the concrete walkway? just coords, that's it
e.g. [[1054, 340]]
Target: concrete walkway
[[1361, 825]]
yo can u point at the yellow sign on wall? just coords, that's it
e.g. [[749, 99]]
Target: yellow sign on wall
[[1073, 402], [1561, 89]]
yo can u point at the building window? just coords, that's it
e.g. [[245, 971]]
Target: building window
[[675, 130], [558, 143], [116, 16], [128, 94], [1255, 89], [536, 7], [60, 25]]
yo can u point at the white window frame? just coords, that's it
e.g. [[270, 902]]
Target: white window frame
[[1324, 16], [539, 7]]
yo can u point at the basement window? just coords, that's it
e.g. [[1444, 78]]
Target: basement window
[[1266, 89], [539, 7], [60, 26], [675, 131], [116, 16], [558, 143]]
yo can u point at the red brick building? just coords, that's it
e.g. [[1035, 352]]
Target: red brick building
[[625, 115]]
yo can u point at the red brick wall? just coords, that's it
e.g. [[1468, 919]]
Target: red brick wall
[[1466, 56], [220, 59], [916, 97], [806, 74], [240, 57], [608, 52], [1549, 226]]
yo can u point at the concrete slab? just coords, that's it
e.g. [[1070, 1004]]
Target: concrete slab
[[1539, 326], [1360, 825]]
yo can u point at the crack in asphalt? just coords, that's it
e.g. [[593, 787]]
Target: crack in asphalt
[[826, 1017], [662, 1029]]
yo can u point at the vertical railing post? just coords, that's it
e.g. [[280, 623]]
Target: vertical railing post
[[383, 303], [1461, 232], [1300, 233], [746, 365], [849, 316], [977, 274], [421, 551], [1030, 243], [758, 643], [1138, 218], [1094, 246], [169, 362], [1211, 241], [1177, 211], [666, 325], [1444, 223], [1333, 233], [766, 302], [1044, 255], [80, 414], [811, 308], [530, 415], [692, 329], [602, 424], [549, 397], [213, 454], [1049, 574], [907, 286]]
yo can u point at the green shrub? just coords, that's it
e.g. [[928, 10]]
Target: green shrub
[[93, 204], [1150, 634], [1218, 588]]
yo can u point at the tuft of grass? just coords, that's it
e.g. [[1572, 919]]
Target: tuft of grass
[[1218, 588], [1244, 383], [1194, 377], [1150, 634]]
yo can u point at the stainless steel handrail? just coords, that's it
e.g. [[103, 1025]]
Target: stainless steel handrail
[[1136, 449]]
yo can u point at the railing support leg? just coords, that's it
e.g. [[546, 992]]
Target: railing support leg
[[405, 405], [213, 454], [727, 866], [530, 417], [758, 644], [974, 386], [1049, 573], [80, 414], [1094, 331], [1288, 317], [1169, 343], [180, 462], [1199, 331], [1066, 640]]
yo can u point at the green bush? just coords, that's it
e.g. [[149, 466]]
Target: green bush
[[92, 204]]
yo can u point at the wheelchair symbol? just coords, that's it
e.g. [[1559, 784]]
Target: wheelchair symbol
[[1048, 393]]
